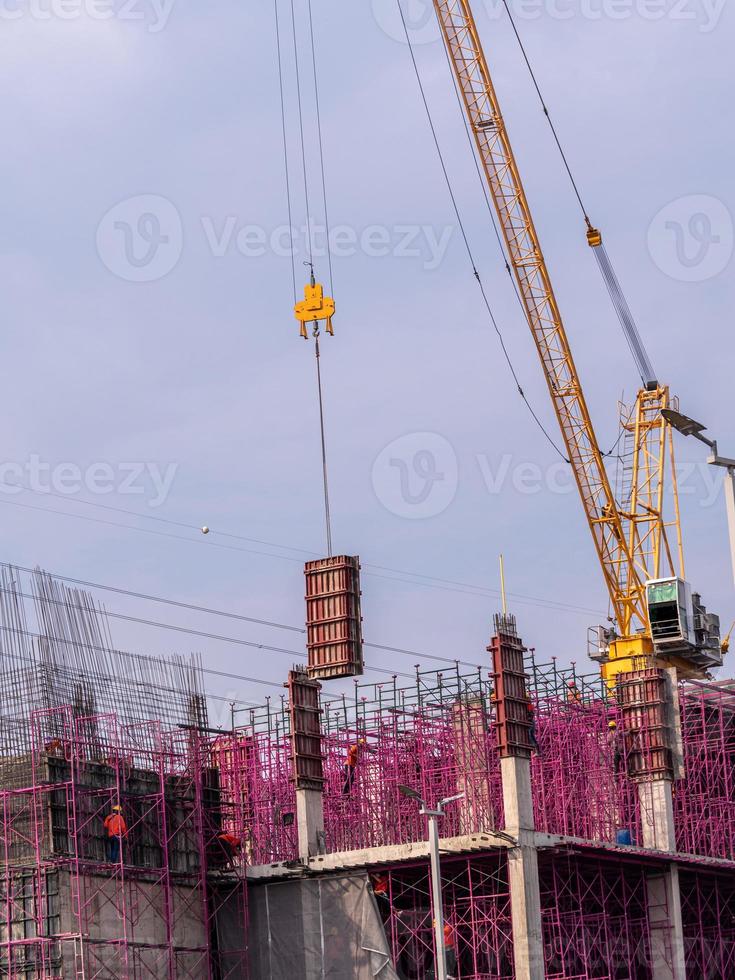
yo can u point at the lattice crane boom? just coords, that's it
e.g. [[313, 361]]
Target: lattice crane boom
[[626, 589]]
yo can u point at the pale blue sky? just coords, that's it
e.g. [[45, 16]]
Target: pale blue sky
[[203, 368]]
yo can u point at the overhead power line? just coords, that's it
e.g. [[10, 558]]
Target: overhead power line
[[238, 641], [427, 581], [468, 247], [609, 276]]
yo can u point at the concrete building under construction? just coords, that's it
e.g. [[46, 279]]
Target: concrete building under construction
[[593, 837], [586, 822]]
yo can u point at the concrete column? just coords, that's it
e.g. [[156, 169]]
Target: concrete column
[[663, 895], [657, 815], [525, 910], [665, 922], [525, 895], [310, 822], [517, 798]]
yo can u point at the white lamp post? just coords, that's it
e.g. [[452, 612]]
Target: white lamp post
[[688, 427], [433, 815]]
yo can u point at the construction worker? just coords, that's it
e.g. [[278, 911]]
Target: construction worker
[[614, 742], [531, 708], [450, 948], [55, 747], [574, 695], [450, 945], [381, 890], [116, 829], [230, 845], [350, 767]]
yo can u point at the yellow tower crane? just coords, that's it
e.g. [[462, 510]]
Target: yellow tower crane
[[658, 620]]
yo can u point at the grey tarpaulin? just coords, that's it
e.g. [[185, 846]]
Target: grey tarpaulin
[[316, 928]]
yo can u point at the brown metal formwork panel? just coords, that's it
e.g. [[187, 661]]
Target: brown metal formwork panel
[[307, 757], [513, 717], [642, 697], [333, 618]]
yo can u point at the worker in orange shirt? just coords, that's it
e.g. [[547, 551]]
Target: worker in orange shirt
[[574, 695], [381, 890], [450, 949], [55, 747], [116, 829], [450, 945], [230, 845], [349, 769]]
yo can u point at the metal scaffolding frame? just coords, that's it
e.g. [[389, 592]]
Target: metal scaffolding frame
[[595, 918], [173, 901], [476, 910], [704, 802], [84, 728]]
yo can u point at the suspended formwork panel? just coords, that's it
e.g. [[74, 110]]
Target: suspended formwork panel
[[334, 618]]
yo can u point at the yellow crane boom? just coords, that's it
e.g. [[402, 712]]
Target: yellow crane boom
[[659, 619], [626, 589]]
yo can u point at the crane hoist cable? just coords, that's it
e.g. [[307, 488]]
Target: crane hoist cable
[[594, 240], [317, 107], [465, 239], [316, 307], [286, 168]]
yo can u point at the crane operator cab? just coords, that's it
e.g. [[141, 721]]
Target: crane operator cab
[[680, 624]]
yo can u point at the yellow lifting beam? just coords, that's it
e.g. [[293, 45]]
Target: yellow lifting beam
[[315, 307]]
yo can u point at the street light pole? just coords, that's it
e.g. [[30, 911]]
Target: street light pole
[[433, 814], [436, 890], [729, 466], [688, 427]]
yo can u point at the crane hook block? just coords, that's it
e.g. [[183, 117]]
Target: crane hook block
[[315, 307]]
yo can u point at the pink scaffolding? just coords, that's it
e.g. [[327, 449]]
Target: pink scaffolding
[[436, 737], [85, 728], [255, 769], [704, 802], [708, 913], [476, 910], [155, 909], [580, 771], [595, 919]]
